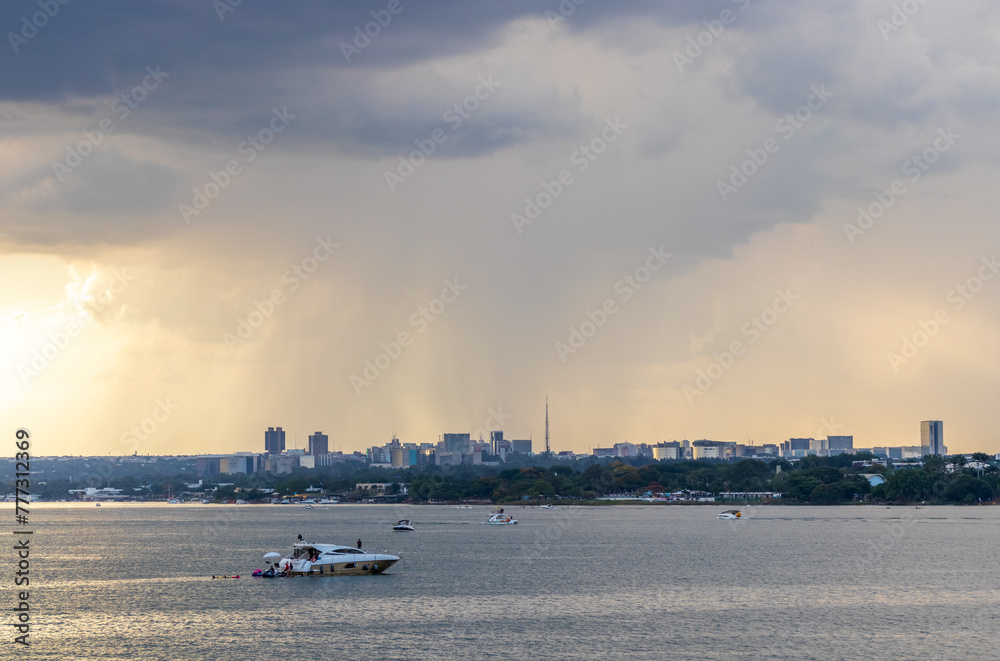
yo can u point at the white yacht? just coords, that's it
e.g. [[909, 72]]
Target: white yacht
[[731, 514], [500, 520], [308, 559], [403, 526]]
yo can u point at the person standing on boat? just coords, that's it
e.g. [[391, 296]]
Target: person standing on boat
[[359, 544]]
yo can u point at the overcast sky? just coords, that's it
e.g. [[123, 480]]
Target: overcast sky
[[740, 220]]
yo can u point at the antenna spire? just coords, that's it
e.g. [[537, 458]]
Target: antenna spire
[[547, 450]]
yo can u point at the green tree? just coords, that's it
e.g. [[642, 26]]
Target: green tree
[[965, 488], [827, 494], [908, 485]]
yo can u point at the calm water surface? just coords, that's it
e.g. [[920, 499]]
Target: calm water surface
[[630, 582]]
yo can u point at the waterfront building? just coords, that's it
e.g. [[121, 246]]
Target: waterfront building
[[319, 443], [208, 465], [274, 440], [932, 437], [240, 462], [401, 457]]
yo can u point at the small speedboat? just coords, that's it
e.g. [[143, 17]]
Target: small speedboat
[[731, 515], [500, 520], [546, 507], [403, 525], [307, 506]]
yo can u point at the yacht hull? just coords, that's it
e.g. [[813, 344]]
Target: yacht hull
[[360, 566]]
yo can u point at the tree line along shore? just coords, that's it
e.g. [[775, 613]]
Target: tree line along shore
[[841, 479]]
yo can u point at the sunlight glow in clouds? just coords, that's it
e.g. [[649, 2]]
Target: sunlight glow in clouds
[[154, 281]]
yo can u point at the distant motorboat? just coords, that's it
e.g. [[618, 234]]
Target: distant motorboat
[[403, 525], [174, 501], [546, 507], [307, 506], [500, 520], [97, 504], [731, 515]]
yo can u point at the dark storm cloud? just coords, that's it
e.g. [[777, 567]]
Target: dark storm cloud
[[230, 65], [108, 197]]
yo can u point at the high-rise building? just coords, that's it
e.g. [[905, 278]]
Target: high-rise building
[[796, 447], [932, 437], [274, 440], [522, 446], [319, 443], [456, 442], [497, 445], [840, 442]]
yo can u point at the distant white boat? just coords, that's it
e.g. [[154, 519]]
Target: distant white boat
[[731, 514], [403, 525], [546, 507], [500, 520], [307, 506]]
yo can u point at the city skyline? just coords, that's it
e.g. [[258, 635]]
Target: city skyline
[[725, 220]]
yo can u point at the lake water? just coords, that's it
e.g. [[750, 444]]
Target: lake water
[[627, 582]]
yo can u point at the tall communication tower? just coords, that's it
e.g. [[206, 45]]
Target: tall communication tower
[[547, 451]]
